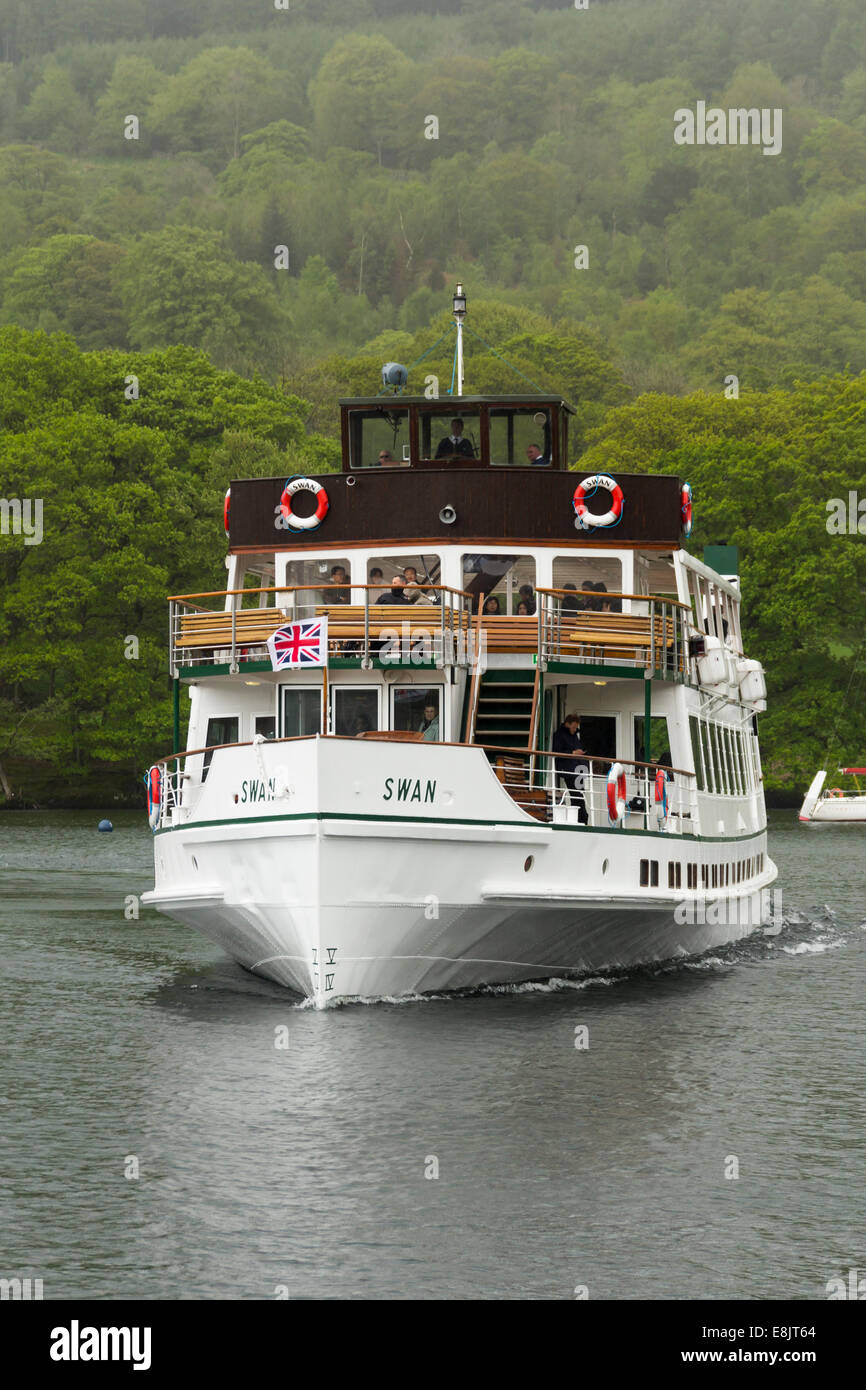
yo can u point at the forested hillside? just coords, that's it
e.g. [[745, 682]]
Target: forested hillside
[[253, 207]]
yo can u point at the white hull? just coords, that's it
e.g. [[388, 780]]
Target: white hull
[[841, 808], [325, 888]]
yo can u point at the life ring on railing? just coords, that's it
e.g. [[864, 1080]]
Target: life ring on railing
[[153, 782], [297, 483], [586, 519], [661, 793], [227, 509], [686, 509], [616, 792], [835, 791]]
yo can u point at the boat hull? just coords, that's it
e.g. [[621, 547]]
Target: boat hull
[[458, 891]]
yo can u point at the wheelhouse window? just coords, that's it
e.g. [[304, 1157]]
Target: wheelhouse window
[[379, 437], [588, 581], [451, 435], [501, 584], [521, 436], [354, 710], [418, 709], [301, 710], [318, 582]]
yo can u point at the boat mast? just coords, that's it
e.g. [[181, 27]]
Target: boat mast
[[459, 315]]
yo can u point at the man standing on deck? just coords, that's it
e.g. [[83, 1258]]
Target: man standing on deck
[[570, 772]]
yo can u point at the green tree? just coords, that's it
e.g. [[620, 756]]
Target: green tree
[[182, 285]]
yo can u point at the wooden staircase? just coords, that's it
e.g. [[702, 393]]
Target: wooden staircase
[[505, 709]]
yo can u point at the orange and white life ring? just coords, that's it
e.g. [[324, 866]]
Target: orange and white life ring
[[303, 523], [584, 518], [835, 791], [616, 791], [153, 782], [227, 510], [686, 509]]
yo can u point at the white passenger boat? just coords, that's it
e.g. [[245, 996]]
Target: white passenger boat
[[833, 804], [367, 804]]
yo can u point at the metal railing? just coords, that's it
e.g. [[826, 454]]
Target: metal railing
[[532, 781], [528, 775], [435, 628], [646, 631]]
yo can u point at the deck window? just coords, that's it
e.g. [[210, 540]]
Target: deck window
[[420, 573], [501, 583], [223, 728], [354, 709], [697, 753], [319, 582], [266, 725], [418, 709], [591, 578], [301, 711]]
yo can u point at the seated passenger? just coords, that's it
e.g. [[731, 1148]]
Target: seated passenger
[[570, 601], [414, 592], [527, 596], [338, 595], [523, 609], [387, 460], [608, 605], [491, 605], [590, 605], [396, 593], [454, 445], [536, 455], [376, 580], [429, 726]]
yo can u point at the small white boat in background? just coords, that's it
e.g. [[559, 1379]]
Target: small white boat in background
[[834, 804]]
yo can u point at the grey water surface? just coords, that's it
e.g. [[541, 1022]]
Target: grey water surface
[[300, 1169]]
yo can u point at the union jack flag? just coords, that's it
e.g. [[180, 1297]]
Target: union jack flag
[[298, 644]]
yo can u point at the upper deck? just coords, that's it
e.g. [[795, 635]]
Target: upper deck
[[487, 469]]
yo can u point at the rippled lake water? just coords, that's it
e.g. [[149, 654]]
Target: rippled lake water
[[133, 1043]]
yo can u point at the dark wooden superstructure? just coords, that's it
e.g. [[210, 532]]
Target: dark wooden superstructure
[[456, 500]]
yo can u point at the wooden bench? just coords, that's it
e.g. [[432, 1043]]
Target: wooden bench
[[252, 626], [393, 735]]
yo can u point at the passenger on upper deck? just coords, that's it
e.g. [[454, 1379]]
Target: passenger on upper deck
[[387, 460], [491, 605], [454, 445], [396, 593], [338, 595], [377, 580], [570, 602], [527, 596], [414, 592]]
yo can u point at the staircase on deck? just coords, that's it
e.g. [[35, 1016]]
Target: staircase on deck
[[505, 704]]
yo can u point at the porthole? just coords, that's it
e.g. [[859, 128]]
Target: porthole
[[528, 863]]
